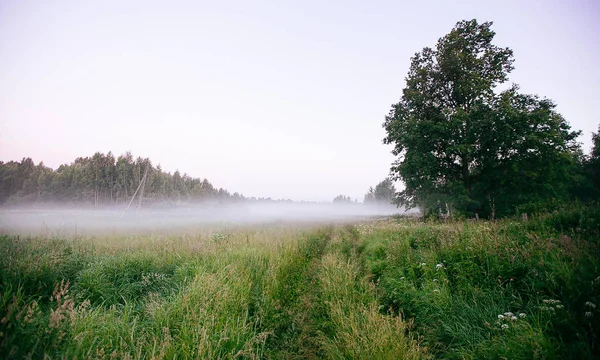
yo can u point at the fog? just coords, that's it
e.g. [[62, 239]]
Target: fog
[[64, 221]]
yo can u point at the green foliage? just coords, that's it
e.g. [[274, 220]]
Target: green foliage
[[461, 143]]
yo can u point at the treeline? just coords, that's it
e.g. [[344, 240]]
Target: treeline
[[103, 179]]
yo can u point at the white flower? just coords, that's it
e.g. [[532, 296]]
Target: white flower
[[522, 315], [508, 314], [504, 326], [590, 304], [588, 314], [423, 264], [435, 280], [439, 266], [513, 318], [559, 306], [501, 317], [436, 290], [551, 302]]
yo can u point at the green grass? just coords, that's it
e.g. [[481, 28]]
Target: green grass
[[381, 289], [455, 279]]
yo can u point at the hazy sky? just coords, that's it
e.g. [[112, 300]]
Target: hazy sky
[[281, 99]]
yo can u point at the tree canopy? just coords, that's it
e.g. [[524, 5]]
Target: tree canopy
[[461, 142]]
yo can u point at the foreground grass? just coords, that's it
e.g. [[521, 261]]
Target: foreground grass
[[250, 293], [388, 289], [518, 290]]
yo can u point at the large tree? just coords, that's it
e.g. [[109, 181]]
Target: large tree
[[460, 141]]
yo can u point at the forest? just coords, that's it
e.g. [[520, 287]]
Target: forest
[[102, 179]]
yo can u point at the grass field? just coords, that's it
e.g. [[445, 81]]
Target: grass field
[[382, 289]]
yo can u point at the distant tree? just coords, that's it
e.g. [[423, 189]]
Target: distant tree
[[341, 199], [460, 143], [383, 193]]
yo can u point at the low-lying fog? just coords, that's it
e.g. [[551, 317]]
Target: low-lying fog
[[63, 221]]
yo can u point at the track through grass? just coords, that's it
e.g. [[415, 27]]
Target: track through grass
[[298, 317], [387, 289]]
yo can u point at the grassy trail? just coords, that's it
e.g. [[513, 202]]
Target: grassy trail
[[389, 289], [300, 315], [330, 310]]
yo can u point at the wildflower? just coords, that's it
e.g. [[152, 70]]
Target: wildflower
[[508, 314], [559, 306], [588, 314], [434, 280], [522, 315], [436, 290], [423, 264], [402, 278], [501, 317], [504, 326], [551, 302], [513, 318], [590, 304], [439, 266]]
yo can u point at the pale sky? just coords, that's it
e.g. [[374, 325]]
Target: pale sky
[[271, 99]]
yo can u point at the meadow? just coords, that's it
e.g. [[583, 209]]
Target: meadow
[[386, 288]]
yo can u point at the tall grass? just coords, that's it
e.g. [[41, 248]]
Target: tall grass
[[464, 284], [198, 296], [358, 330], [389, 289]]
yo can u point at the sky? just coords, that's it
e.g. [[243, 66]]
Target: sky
[[273, 99]]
